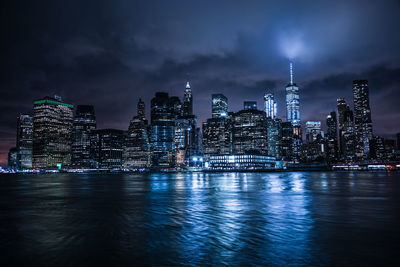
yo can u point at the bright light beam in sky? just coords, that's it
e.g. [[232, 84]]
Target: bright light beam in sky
[[291, 44]]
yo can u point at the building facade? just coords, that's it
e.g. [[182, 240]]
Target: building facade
[[24, 141], [106, 148], [274, 138], [52, 133], [270, 106], [84, 123], [219, 107], [331, 137], [362, 118]]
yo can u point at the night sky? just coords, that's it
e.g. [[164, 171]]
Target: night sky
[[110, 53]]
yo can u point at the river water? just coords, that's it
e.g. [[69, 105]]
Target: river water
[[288, 218]]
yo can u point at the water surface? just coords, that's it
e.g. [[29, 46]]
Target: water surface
[[298, 218]]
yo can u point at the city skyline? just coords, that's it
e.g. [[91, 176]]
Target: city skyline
[[112, 72]]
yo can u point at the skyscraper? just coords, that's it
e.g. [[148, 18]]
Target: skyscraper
[[217, 136], [24, 141], [362, 118], [219, 106], [106, 147], [347, 135], [52, 132], [313, 129], [287, 141], [84, 123], [188, 101], [270, 106], [249, 132], [162, 130], [341, 107], [274, 137], [13, 159], [331, 136], [292, 101], [136, 152]]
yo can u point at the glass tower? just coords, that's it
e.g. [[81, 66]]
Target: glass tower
[[292, 101], [270, 106]]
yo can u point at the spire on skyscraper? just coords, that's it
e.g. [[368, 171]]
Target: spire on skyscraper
[[187, 85], [291, 73]]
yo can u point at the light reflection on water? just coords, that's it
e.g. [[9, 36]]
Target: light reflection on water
[[297, 218]]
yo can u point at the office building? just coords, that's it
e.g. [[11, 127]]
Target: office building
[[12, 159], [84, 123], [217, 136], [240, 162], [52, 133], [249, 132], [274, 138], [331, 137], [270, 106], [187, 101], [162, 130], [136, 152], [287, 141], [292, 101], [24, 141], [362, 118], [219, 107], [106, 148]]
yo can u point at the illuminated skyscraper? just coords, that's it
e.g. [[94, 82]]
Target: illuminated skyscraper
[[52, 133], [84, 124], [24, 141], [136, 152], [362, 118], [162, 130], [106, 147], [188, 101], [331, 136], [270, 106], [274, 133], [219, 106], [292, 101]]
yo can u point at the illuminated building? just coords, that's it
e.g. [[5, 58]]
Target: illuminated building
[[12, 159], [187, 101], [162, 130], [292, 101], [106, 147], [217, 136], [136, 152], [347, 135], [331, 136], [287, 141], [377, 148], [315, 147], [248, 105], [270, 106], [249, 132], [52, 133], [84, 123], [24, 141], [240, 162], [274, 138], [362, 118], [219, 107], [341, 107]]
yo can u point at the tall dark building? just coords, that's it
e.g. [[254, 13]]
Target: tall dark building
[[348, 135], [13, 159], [287, 141], [52, 133], [331, 136], [187, 101], [248, 105], [24, 141], [274, 138], [162, 131], [219, 107], [137, 146], [217, 136], [84, 124], [249, 132], [362, 118], [106, 147], [341, 107]]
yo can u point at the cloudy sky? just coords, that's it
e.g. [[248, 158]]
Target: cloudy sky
[[110, 53]]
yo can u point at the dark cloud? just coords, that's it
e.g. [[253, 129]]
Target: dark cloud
[[110, 53]]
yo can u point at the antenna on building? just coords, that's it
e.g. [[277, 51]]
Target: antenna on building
[[291, 73]]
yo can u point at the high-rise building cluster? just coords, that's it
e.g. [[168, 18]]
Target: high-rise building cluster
[[59, 135]]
